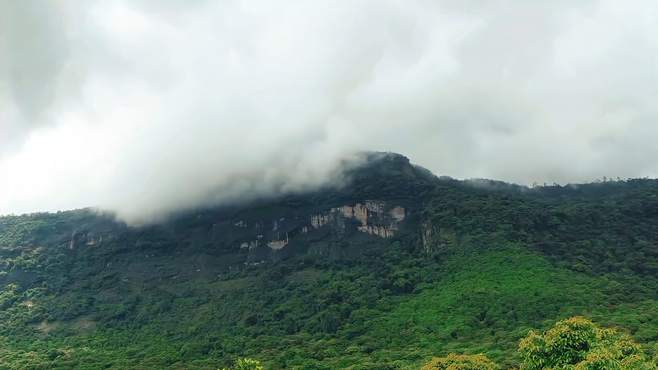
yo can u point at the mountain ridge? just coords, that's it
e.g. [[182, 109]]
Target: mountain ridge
[[387, 271]]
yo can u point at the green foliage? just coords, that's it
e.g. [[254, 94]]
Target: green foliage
[[579, 344], [461, 362], [246, 364], [471, 270]]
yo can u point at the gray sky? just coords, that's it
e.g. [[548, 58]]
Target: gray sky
[[149, 107]]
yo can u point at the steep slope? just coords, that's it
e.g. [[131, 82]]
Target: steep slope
[[385, 271]]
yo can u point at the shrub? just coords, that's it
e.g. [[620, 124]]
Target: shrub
[[461, 362]]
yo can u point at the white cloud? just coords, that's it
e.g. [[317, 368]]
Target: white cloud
[[145, 108]]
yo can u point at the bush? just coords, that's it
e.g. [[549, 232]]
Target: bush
[[461, 362]]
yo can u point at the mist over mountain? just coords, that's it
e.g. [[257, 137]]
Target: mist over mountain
[[146, 108], [225, 185]]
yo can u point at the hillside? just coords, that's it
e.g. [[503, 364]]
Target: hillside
[[389, 269]]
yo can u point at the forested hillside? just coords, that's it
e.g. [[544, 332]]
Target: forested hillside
[[388, 270]]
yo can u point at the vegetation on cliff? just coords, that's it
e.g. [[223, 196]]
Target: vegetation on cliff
[[471, 270]]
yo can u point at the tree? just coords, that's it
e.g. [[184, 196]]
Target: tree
[[246, 364], [461, 362], [579, 344]]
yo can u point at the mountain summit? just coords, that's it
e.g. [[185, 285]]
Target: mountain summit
[[384, 271]]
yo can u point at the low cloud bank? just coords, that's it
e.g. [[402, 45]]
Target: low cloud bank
[[145, 109]]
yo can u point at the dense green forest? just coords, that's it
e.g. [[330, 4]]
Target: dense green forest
[[443, 271]]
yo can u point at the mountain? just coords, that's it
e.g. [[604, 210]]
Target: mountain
[[385, 270]]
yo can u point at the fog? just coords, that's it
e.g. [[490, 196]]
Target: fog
[[145, 108]]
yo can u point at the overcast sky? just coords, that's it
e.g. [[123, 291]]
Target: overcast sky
[[149, 107]]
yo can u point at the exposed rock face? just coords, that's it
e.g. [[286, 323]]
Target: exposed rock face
[[381, 231], [372, 217], [347, 211], [375, 206], [398, 213], [361, 214], [317, 221], [427, 235], [434, 238], [278, 243]]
